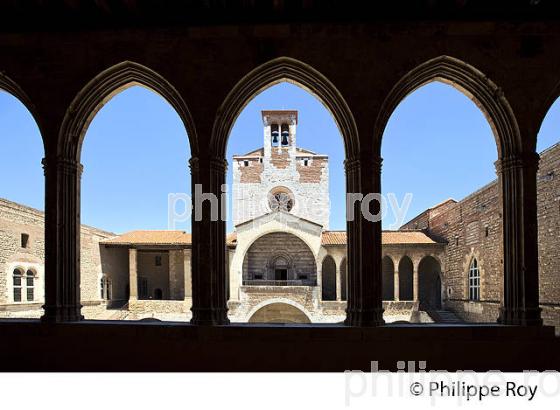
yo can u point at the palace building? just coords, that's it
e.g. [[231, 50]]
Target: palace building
[[284, 265]]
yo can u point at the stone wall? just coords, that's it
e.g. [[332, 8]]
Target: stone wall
[[473, 229], [115, 265], [548, 212], [15, 220], [157, 276]]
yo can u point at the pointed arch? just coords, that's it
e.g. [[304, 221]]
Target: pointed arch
[[12, 88], [101, 89], [471, 82], [328, 278], [273, 72]]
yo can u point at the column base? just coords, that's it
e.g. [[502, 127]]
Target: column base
[[61, 314], [209, 317], [521, 317], [364, 318]]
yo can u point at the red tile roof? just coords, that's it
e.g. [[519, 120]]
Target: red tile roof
[[328, 238], [157, 238], [387, 238]]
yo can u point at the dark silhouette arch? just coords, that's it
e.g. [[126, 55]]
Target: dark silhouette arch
[[388, 278], [328, 279], [406, 279], [101, 89], [273, 72], [471, 82], [429, 283]]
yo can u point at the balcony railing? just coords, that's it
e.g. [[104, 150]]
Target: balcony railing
[[295, 282]]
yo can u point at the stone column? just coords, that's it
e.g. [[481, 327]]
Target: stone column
[[133, 274], [188, 275], [62, 240], [235, 276], [415, 279], [338, 282], [209, 302], [176, 274], [518, 185], [364, 308], [396, 285]]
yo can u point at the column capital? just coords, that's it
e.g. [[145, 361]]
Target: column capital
[[518, 161], [61, 164], [370, 161], [214, 163]]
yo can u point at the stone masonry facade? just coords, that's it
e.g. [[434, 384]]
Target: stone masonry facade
[[472, 228]]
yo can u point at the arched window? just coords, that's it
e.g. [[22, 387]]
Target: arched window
[[285, 135], [105, 287], [158, 294], [30, 285], [281, 268], [17, 285], [275, 135], [474, 281]]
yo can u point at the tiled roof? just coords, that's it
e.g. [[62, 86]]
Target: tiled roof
[[328, 238], [387, 238], [157, 238]]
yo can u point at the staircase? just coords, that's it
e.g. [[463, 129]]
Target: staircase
[[444, 316]]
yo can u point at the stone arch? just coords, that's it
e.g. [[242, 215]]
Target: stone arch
[[388, 278], [328, 278], [471, 82], [406, 279], [271, 73], [101, 89], [259, 259], [12, 88], [278, 310], [429, 283]]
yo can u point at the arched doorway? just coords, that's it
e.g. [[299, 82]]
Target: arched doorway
[[388, 278], [406, 287], [158, 294], [328, 279], [279, 313], [429, 283]]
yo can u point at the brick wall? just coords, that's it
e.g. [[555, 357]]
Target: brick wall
[[473, 228]]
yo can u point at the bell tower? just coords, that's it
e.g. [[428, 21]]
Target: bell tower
[[281, 175], [279, 132]]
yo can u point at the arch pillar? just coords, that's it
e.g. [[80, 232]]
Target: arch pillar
[[338, 281], [209, 301], [520, 239], [415, 282], [396, 283], [62, 239], [364, 307]]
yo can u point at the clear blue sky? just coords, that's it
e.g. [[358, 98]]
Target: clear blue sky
[[437, 145]]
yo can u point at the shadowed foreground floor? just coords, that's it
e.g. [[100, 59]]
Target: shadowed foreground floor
[[29, 345]]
